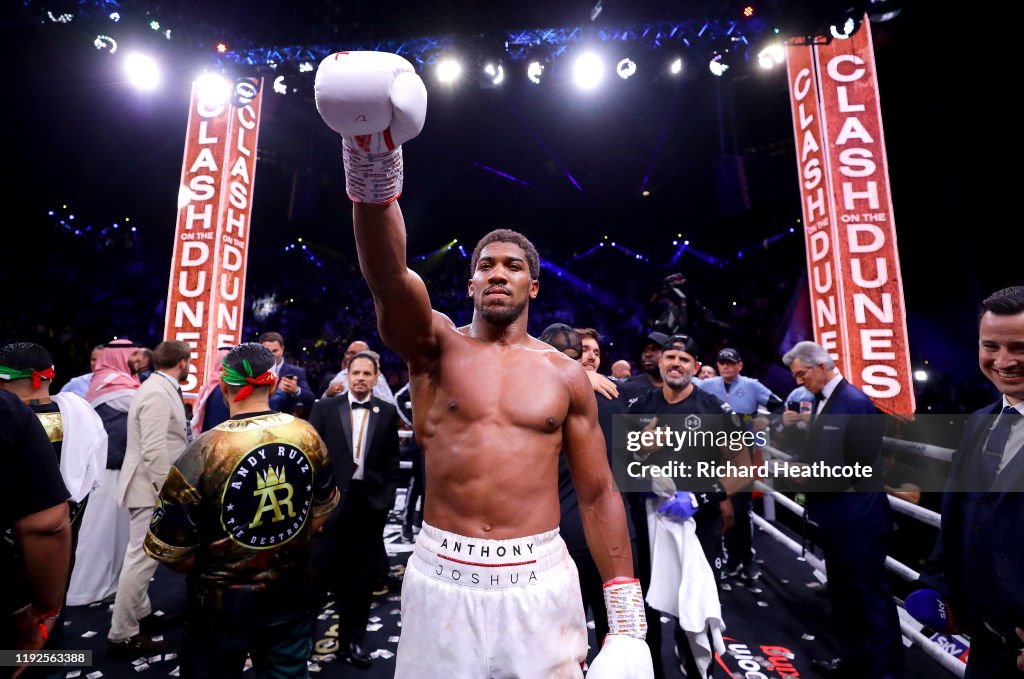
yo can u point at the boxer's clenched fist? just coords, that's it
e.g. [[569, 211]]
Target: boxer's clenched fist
[[376, 102]]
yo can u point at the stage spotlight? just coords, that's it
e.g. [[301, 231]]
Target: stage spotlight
[[675, 67], [105, 42], [448, 70], [625, 68], [280, 86], [492, 74], [771, 56], [212, 89], [306, 67], [717, 64], [844, 29], [748, 11], [222, 47], [142, 71], [588, 71], [534, 71]]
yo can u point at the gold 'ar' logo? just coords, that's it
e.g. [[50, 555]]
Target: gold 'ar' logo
[[268, 496], [268, 485]]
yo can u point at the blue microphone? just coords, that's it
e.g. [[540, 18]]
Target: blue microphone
[[929, 608]]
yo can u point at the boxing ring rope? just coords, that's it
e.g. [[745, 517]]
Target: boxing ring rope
[[909, 628], [919, 449], [900, 505]]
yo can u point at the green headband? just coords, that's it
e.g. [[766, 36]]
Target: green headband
[[246, 381], [36, 376], [232, 376], [13, 373]]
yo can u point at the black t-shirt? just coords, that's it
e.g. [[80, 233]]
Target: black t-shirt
[[633, 388], [571, 525], [699, 402], [30, 481]]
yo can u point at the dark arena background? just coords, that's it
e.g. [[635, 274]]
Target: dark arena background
[[666, 171]]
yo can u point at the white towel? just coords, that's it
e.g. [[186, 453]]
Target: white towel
[[83, 452], [683, 585]]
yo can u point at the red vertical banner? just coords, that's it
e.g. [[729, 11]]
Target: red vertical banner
[[871, 283], [819, 214], [205, 297], [852, 258]]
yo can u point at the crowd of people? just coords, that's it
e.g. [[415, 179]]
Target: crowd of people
[[271, 492]]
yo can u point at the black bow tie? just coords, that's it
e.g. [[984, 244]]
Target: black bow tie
[[357, 404]]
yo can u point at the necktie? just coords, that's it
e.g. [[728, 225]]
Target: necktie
[[357, 404], [188, 428], [992, 455], [818, 398]]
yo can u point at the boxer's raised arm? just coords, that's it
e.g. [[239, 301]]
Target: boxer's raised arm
[[376, 102], [399, 295]]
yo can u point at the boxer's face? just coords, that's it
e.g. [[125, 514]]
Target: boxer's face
[[501, 286], [1001, 353]]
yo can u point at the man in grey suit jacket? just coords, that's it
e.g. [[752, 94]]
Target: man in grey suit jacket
[[158, 433]]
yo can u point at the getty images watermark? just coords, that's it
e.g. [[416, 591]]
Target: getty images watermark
[[697, 451]]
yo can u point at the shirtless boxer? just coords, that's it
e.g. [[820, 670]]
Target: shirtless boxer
[[490, 589]]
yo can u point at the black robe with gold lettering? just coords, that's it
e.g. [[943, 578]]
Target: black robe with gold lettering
[[242, 499]]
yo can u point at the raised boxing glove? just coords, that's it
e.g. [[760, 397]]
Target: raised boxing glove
[[376, 102]]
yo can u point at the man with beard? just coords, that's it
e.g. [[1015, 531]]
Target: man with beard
[[679, 396], [488, 561], [650, 376]]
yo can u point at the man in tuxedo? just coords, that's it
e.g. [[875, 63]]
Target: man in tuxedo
[[293, 395], [846, 429], [158, 433], [980, 549], [361, 433]]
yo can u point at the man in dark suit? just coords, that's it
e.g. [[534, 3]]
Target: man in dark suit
[[980, 550], [293, 395], [361, 433], [853, 518]]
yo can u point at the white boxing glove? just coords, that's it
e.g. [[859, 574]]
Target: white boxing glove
[[376, 102], [622, 658]]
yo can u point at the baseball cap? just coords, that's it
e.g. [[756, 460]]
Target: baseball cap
[[729, 355], [656, 338], [681, 343]]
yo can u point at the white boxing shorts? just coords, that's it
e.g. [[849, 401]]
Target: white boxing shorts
[[491, 609]]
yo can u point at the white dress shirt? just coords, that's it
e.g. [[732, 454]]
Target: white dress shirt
[[826, 391], [360, 419]]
